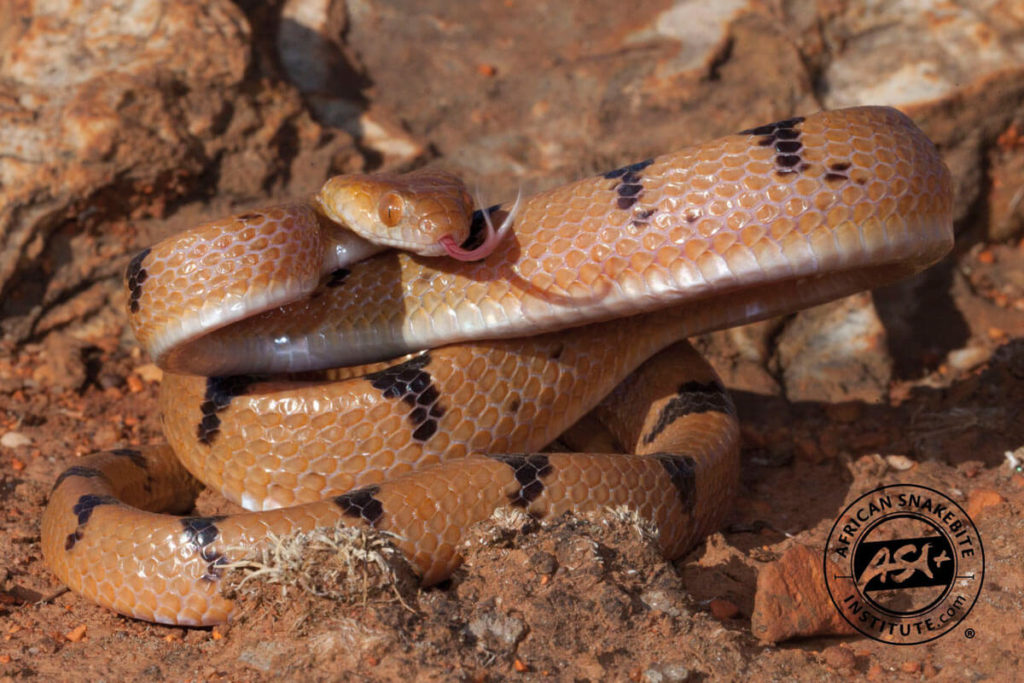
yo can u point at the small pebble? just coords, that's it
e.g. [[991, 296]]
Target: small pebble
[[149, 372], [135, 384], [662, 601], [840, 658], [497, 629], [982, 498], [543, 563], [723, 609], [76, 634], [968, 358], [14, 440], [668, 672], [899, 463]]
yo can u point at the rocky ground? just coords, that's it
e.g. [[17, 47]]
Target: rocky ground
[[120, 124]]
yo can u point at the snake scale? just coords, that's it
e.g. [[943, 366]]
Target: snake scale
[[581, 305]]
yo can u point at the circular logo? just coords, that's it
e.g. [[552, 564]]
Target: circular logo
[[904, 564]]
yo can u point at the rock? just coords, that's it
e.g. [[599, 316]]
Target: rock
[[1006, 178], [110, 113], [543, 563], [967, 128], [740, 356], [14, 440], [952, 46], [310, 47], [62, 364], [899, 463], [792, 600], [667, 672], [981, 498], [149, 372], [968, 358], [699, 31], [840, 658], [669, 602], [835, 352], [723, 609], [497, 631], [264, 655], [105, 115], [910, 666]]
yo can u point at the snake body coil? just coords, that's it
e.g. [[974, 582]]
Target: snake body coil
[[585, 298]]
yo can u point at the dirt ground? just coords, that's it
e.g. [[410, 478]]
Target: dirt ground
[[936, 399]]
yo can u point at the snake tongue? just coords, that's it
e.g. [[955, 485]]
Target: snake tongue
[[477, 254]]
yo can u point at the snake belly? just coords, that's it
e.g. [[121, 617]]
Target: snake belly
[[585, 299]]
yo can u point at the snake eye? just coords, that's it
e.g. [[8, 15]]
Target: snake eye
[[389, 209]]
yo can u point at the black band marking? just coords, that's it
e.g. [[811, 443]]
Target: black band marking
[[83, 510], [89, 502], [692, 397], [220, 391], [628, 183], [771, 128], [361, 504], [135, 275], [76, 471], [681, 469], [632, 168], [529, 471], [837, 172], [629, 189], [786, 139], [200, 533], [135, 456], [412, 384]]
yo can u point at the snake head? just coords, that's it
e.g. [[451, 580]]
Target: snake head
[[427, 212]]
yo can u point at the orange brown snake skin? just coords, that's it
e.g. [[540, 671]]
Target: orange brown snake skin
[[764, 222]]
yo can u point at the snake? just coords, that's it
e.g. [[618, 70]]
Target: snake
[[321, 377]]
